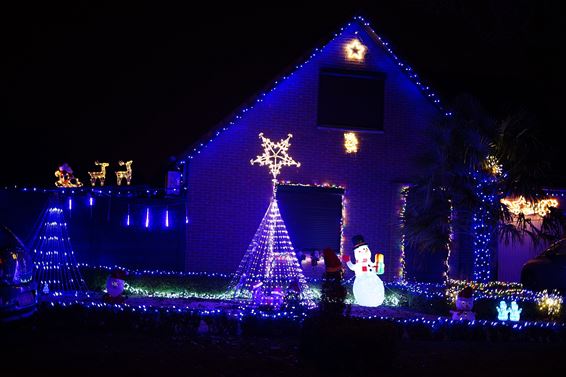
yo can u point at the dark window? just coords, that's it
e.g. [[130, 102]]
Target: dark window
[[350, 100], [312, 215]]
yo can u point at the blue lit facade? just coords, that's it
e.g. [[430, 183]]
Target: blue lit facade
[[226, 196], [137, 227]]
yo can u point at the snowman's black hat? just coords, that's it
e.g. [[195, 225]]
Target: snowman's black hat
[[358, 240]]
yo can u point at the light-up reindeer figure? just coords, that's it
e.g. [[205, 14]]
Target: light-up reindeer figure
[[124, 174], [100, 175]]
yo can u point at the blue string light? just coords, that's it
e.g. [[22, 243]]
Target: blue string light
[[484, 223], [405, 68], [299, 316]]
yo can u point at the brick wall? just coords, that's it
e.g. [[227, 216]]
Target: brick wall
[[227, 197]]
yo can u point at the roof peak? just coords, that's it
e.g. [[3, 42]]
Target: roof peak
[[358, 18]]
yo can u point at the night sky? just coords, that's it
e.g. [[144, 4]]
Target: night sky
[[82, 81]]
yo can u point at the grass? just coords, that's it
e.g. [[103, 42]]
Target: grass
[[215, 287]]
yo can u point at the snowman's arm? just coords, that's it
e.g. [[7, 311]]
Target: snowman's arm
[[351, 266]]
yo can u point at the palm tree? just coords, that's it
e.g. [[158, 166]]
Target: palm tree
[[517, 146], [472, 162]]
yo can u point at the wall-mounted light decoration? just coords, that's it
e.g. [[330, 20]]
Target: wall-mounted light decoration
[[275, 155], [355, 50], [351, 142], [522, 206]]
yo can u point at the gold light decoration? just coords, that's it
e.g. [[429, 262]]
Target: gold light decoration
[[492, 165], [355, 50], [351, 142], [100, 175], [550, 305], [124, 174], [522, 206], [65, 177], [275, 155]]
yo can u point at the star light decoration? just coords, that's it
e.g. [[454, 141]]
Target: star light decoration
[[355, 50], [275, 155]]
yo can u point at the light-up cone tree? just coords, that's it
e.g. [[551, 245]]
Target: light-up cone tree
[[269, 273], [56, 268]]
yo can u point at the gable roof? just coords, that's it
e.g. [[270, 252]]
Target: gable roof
[[236, 115]]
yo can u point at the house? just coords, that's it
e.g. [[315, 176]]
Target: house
[[357, 116]]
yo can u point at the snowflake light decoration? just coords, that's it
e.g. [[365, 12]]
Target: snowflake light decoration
[[275, 155]]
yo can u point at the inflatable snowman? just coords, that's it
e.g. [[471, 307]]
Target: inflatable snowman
[[368, 287]]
